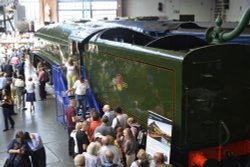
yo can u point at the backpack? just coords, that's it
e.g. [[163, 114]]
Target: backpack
[[137, 127], [141, 139], [118, 123]]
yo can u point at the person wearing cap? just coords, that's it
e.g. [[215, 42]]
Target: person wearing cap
[[98, 139], [98, 136]]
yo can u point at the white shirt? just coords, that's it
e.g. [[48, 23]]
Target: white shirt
[[122, 118], [112, 148], [30, 87], [110, 115], [134, 164], [80, 88], [91, 160], [71, 70], [19, 83], [73, 135]]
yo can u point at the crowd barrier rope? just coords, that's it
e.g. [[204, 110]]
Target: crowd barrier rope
[[61, 97]]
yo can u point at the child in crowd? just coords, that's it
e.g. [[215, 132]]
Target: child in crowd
[[30, 88]]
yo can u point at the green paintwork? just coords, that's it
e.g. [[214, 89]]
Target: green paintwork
[[142, 79], [216, 35], [164, 82], [57, 33], [48, 56], [151, 79], [60, 37], [53, 38]]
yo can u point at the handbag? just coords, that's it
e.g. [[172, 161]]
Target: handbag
[[8, 163]]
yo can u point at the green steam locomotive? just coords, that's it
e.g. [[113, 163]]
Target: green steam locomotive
[[204, 89]]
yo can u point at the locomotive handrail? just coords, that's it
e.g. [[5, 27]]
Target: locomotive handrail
[[215, 34], [224, 126], [90, 94]]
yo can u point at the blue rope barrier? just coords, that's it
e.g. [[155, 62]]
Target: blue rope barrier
[[62, 98]]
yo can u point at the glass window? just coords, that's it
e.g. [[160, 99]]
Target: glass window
[[31, 8], [100, 14], [69, 15], [70, 6], [78, 9], [104, 5]]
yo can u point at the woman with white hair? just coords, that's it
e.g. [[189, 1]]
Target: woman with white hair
[[73, 135], [79, 160], [91, 158], [142, 159], [110, 114]]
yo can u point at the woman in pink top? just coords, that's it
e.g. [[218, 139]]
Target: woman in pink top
[[14, 61]]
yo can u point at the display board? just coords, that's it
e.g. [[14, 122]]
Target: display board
[[159, 133]]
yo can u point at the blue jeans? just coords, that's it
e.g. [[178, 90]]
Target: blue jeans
[[81, 103]]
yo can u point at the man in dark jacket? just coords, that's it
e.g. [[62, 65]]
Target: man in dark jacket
[[8, 69]]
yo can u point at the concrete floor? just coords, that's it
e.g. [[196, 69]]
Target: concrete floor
[[42, 121]]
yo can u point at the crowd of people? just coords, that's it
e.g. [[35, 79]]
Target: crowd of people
[[12, 83], [26, 150], [15, 88], [108, 140], [15, 91], [111, 139]]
